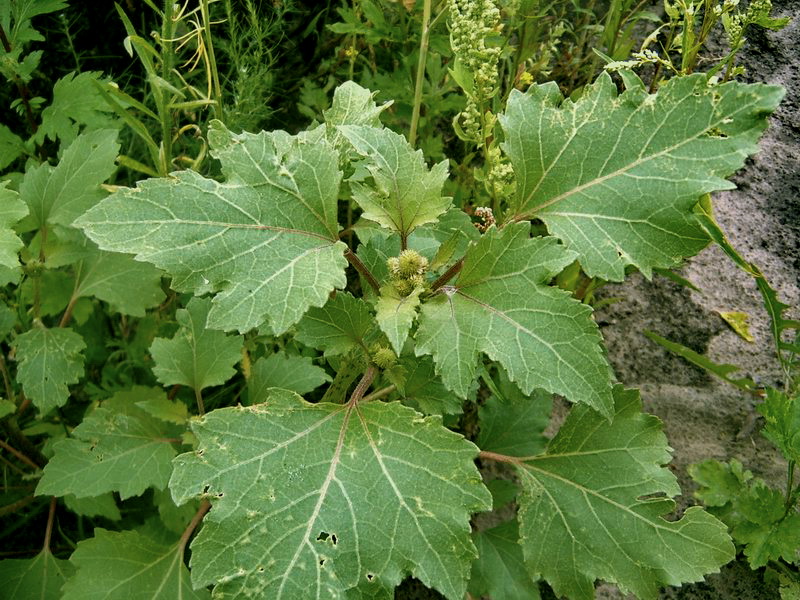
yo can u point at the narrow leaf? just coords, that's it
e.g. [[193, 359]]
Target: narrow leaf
[[310, 500]]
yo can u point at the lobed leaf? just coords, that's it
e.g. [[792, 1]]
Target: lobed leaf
[[501, 305], [403, 193], [342, 324], [499, 571], [592, 508], [49, 360], [37, 578], [131, 565], [196, 356], [295, 373], [12, 209], [265, 241], [313, 500], [615, 176], [117, 448]]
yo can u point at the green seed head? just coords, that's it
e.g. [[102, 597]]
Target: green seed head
[[384, 357], [411, 262]]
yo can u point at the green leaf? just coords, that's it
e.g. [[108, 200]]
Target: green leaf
[[354, 105], [342, 324], [11, 147], [310, 500], [7, 407], [721, 370], [129, 286], [60, 194], [766, 530], [266, 240], [103, 505], [403, 193], [501, 305], [12, 209], [499, 570], [127, 564], [513, 423], [49, 360], [396, 314], [117, 448], [161, 407], [76, 102], [782, 428], [196, 356], [615, 177], [281, 370], [592, 506], [719, 483], [37, 578], [422, 390]]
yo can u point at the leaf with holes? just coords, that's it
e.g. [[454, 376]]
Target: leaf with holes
[[592, 507], [501, 305], [265, 241], [615, 177], [311, 500]]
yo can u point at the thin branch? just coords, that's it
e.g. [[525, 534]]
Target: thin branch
[[51, 516], [198, 516], [19, 455], [21, 440], [486, 455], [423, 56], [6, 378], [363, 385], [65, 318], [362, 269], [447, 275], [380, 393], [15, 506]]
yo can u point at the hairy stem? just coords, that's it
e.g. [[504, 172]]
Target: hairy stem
[[363, 385], [362, 269], [51, 516], [486, 455], [198, 516]]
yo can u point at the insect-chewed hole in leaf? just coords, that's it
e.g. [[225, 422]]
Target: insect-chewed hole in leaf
[[321, 562], [260, 569], [333, 539], [370, 576], [323, 535]]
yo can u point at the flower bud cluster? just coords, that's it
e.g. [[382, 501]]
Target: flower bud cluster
[[407, 271], [383, 356], [472, 22], [486, 216]]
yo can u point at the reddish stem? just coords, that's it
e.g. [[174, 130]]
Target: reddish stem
[[19, 455], [363, 385], [198, 516], [447, 275], [362, 269], [51, 516]]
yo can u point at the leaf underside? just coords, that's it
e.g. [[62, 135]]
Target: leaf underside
[[313, 500]]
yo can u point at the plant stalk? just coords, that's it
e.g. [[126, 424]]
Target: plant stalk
[[362, 269], [198, 516], [51, 516], [423, 57], [447, 275], [19, 455], [363, 385]]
